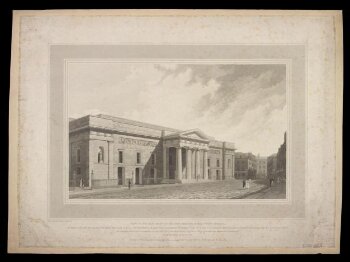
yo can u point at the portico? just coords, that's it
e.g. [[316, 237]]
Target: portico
[[185, 156], [107, 151]]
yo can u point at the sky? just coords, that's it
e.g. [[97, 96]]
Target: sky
[[240, 103]]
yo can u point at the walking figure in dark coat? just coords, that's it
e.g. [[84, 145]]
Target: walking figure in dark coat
[[129, 184], [244, 183]]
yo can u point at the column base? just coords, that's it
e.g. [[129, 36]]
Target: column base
[[192, 181], [169, 181]]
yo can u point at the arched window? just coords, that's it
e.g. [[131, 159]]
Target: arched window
[[100, 155]]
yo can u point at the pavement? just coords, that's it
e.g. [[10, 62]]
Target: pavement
[[277, 191], [225, 189]]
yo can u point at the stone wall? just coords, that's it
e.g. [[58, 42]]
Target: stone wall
[[78, 169]]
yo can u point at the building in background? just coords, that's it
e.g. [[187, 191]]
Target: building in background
[[272, 166], [109, 151], [261, 167], [245, 166], [276, 163], [281, 160]]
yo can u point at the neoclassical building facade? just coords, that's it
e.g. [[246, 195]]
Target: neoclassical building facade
[[109, 151]]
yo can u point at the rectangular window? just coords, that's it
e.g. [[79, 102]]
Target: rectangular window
[[138, 158], [208, 162], [218, 162], [120, 156]]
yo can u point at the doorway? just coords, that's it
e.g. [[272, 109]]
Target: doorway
[[137, 176], [120, 176]]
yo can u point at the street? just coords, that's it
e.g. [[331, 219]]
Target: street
[[225, 189], [277, 191]]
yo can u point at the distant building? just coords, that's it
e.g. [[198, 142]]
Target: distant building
[[272, 166], [276, 163], [109, 151], [261, 167], [281, 160], [245, 166]]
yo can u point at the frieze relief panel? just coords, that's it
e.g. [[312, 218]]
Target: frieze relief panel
[[193, 144], [186, 144], [138, 142]]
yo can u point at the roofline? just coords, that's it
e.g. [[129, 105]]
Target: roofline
[[136, 123], [148, 125]]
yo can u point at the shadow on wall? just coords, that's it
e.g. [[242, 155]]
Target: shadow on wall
[[152, 170]]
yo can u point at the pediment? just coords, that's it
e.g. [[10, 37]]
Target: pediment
[[195, 134]]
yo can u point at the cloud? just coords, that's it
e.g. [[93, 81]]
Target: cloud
[[244, 104]]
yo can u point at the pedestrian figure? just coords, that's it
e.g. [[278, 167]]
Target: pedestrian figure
[[244, 183], [248, 183], [129, 184], [270, 182], [81, 183]]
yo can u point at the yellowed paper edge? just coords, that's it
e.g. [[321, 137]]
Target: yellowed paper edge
[[13, 236], [13, 233], [338, 24]]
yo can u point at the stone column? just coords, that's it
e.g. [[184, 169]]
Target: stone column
[[234, 166], [193, 156], [155, 176], [164, 161], [197, 164], [140, 176], [110, 159], [92, 155], [167, 162], [179, 163], [205, 164], [189, 163], [224, 167]]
